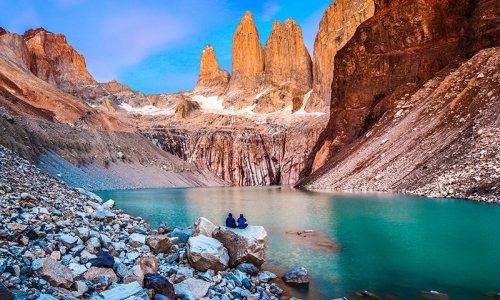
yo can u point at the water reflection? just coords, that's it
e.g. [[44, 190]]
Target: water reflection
[[390, 244]]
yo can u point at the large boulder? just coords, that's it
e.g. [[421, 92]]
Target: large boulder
[[53, 271], [192, 288], [244, 245], [297, 275], [203, 226], [205, 253]]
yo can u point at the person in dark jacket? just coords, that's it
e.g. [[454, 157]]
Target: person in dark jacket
[[230, 222], [242, 222]]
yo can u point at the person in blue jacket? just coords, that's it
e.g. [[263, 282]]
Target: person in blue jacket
[[230, 222], [242, 222]]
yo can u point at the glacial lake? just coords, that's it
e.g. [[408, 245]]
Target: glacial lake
[[394, 246]]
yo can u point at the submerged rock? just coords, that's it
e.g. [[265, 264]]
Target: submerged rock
[[244, 245], [206, 253], [297, 275]]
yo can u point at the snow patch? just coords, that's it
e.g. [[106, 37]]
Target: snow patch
[[213, 103], [302, 112], [146, 110]]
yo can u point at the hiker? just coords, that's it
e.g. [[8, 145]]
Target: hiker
[[242, 222], [230, 222]]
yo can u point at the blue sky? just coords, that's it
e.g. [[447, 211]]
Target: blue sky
[[155, 46]]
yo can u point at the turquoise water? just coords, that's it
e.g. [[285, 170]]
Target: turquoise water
[[391, 245]]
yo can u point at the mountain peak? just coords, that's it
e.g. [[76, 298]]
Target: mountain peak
[[211, 79], [30, 33], [286, 56]]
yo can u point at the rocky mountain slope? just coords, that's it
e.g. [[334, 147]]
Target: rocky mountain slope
[[83, 145], [403, 117]]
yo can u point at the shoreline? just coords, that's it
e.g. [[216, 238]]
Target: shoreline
[[61, 242]]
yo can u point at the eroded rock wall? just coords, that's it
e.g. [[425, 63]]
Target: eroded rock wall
[[245, 157], [406, 42], [338, 25]]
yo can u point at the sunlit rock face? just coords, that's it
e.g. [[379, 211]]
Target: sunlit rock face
[[211, 80], [401, 117], [337, 26], [54, 60], [248, 55], [287, 60]]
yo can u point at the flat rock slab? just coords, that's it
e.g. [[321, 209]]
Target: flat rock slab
[[192, 288]]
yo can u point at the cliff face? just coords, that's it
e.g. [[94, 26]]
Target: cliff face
[[211, 80], [239, 150], [441, 140], [287, 60], [248, 56], [402, 118], [338, 25], [54, 60], [406, 42]]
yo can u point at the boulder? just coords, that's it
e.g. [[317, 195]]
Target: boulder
[[160, 285], [103, 259], [95, 275], [160, 243], [248, 268], [53, 271], [145, 265], [206, 253], [203, 226], [5, 293], [136, 240], [192, 288], [297, 275], [244, 245], [182, 234], [68, 240]]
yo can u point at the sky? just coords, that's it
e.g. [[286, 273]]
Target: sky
[[155, 46]]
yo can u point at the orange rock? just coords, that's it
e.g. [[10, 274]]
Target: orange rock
[[211, 80], [336, 28], [54, 60], [248, 56], [286, 57]]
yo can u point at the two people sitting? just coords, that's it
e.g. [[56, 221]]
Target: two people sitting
[[231, 223]]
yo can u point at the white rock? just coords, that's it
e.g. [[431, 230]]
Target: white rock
[[136, 240], [205, 253], [192, 288], [244, 245], [203, 226], [120, 292]]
